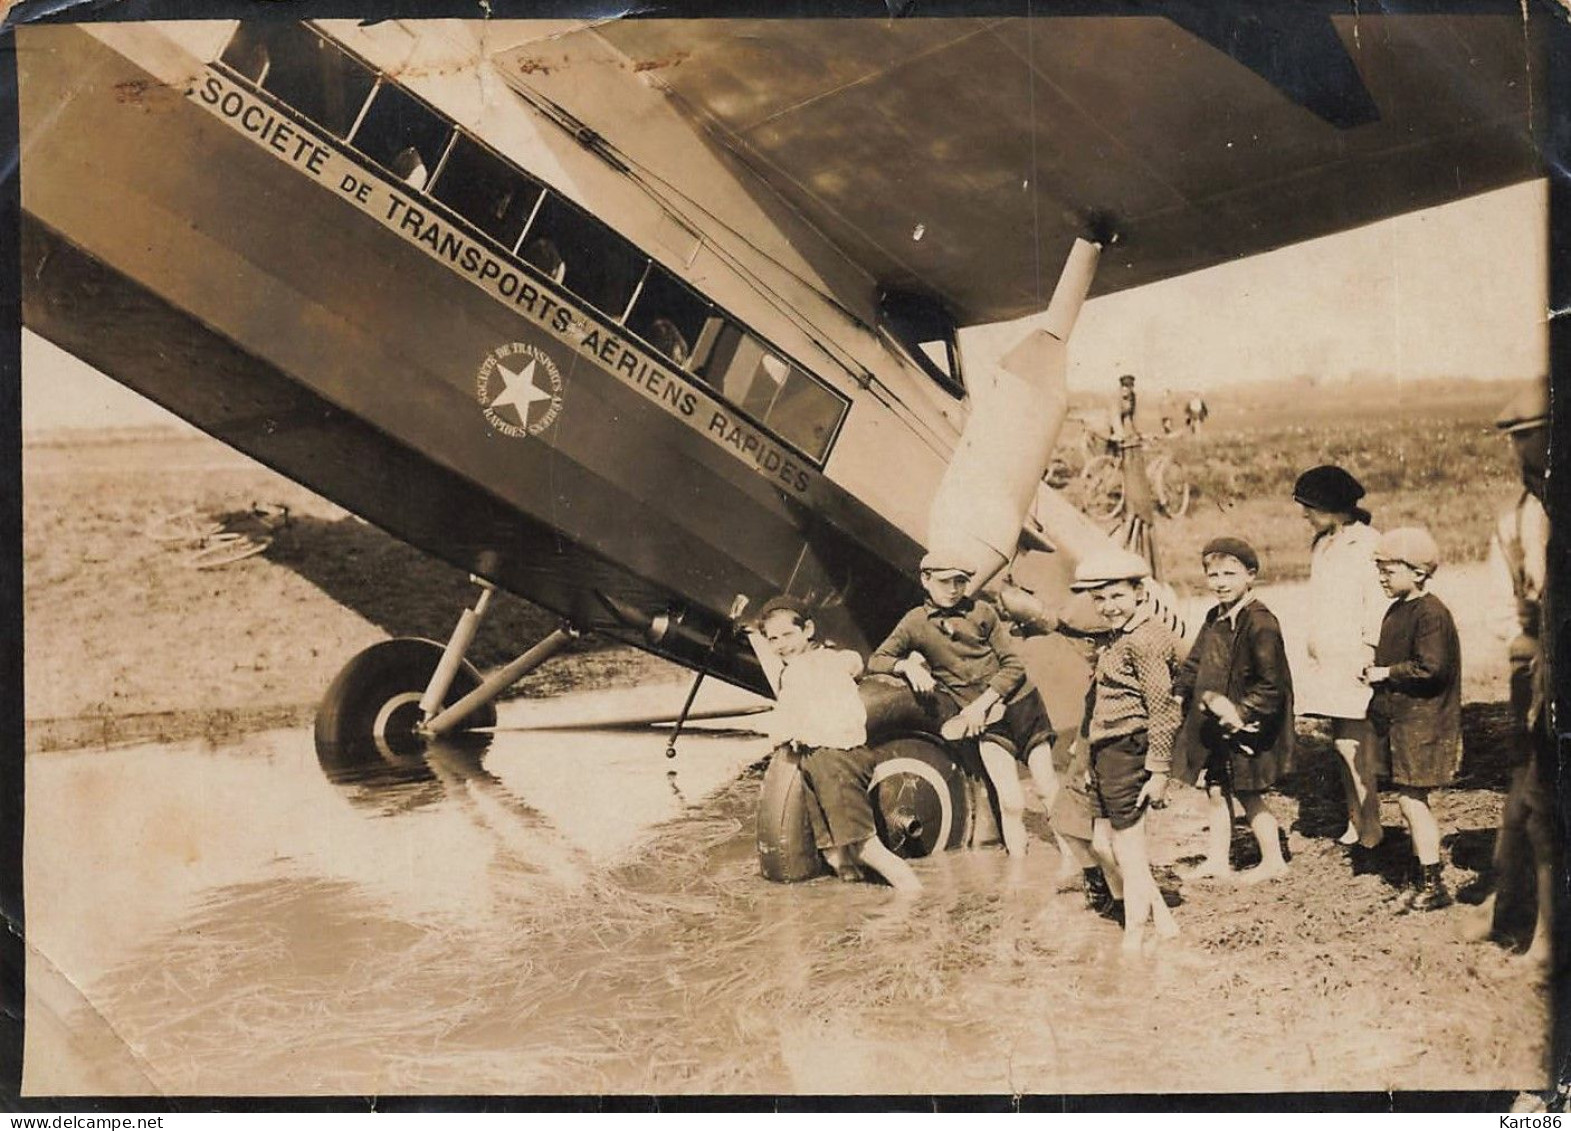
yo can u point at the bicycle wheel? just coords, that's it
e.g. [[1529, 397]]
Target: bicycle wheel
[[1102, 489], [225, 549], [182, 526], [1172, 488]]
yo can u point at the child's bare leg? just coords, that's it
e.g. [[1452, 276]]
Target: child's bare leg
[[1262, 822], [1543, 929], [1219, 837], [1129, 851], [1347, 753], [1045, 778], [1004, 773], [1142, 898], [1102, 849], [876, 856], [1414, 804]]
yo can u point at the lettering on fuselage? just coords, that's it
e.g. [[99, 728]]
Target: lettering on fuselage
[[522, 412]]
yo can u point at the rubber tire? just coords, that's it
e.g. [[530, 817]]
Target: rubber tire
[[1103, 489], [383, 672], [1173, 491], [920, 764]]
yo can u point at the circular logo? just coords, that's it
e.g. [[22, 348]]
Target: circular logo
[[520, 389]]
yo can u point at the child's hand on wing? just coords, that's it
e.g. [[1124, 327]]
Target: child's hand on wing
[[1373, 674]]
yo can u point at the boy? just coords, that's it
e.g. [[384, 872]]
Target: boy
[[819, 709], [1131, 726], [1416, 709], [961, 648], [1238, 701]]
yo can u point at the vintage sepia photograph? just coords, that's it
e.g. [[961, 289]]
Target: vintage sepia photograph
[[963, 552]]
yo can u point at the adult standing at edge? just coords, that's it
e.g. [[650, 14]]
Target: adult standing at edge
[[1346, 607], [1519, 558]]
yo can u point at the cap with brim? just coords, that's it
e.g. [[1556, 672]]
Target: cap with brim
[[1103, 567], [942, 564], [1528, 409], [1410, 544]]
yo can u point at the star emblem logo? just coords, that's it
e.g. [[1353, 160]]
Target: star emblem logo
[[529, 378], [520, 391]]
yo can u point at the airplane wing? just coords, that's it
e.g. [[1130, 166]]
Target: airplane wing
[[1197, 136]]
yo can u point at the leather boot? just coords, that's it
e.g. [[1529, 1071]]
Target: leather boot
[[1099, 897], [1432, 894]]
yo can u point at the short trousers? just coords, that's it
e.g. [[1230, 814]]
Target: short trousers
[[1072, 812], [1023, 727], [1118, 771], [839, 807]]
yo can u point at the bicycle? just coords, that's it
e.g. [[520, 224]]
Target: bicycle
[[1102, 484], [214, 542]]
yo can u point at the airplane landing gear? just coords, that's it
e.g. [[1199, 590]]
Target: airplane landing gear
[[922, 803], [375, 700], [397, 694]]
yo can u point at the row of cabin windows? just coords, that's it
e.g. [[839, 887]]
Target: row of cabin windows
[[427, 153]]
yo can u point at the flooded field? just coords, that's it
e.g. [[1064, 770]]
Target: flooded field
[[555, 912]]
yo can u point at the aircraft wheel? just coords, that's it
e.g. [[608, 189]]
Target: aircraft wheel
[[374, 702], [921, 805], [920, 799]]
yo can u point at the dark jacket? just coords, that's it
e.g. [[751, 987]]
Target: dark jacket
[[1247, 664], [1420, 706]]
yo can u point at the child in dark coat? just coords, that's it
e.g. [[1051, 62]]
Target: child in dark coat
[[1237, 736], [1416, 709]]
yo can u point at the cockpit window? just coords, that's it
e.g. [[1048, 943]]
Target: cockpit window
[[292, 62], [927, 331]]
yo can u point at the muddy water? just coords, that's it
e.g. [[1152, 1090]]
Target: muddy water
[[557, 912]]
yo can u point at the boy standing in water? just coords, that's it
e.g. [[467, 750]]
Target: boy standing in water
[[819, 710], [1238, 699], [961, 648], [1132, 723]]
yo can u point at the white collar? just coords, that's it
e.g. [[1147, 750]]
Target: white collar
[[1231, 616]]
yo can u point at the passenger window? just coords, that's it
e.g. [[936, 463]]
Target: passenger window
[[302, 69], [669, 316], [486, 191], [596, 264], [774, 392], [403, 135]]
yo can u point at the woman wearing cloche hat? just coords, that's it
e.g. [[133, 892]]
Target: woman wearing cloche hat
[[1346, 605]]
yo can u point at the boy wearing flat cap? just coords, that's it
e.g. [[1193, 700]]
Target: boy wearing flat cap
[[1416, 709], [1130, 727], [960, 648], [1237, 737]]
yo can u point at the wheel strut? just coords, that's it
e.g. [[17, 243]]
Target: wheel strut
[[440, 722]]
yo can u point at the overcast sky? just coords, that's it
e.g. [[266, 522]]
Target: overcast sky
[[1456, 291]]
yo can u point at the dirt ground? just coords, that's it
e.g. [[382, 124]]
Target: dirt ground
[[126, 641]]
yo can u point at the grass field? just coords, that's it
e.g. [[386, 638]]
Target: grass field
[[1428, 455]]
